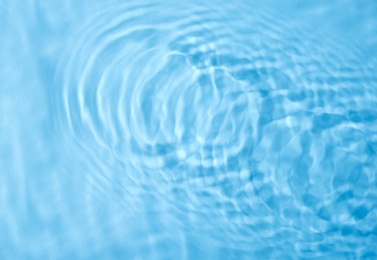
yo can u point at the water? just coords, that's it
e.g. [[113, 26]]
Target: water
[[198, 130]]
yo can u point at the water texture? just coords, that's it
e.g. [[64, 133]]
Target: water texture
[[188, 130]]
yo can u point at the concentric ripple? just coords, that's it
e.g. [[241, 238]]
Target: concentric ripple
[[145, 86], [254, 121]]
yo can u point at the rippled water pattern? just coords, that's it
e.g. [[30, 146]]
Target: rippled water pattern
[[188, 129]]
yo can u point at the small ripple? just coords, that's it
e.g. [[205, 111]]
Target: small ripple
[[255, 128]]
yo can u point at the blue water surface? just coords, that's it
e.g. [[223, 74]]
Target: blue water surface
[[166, 129]]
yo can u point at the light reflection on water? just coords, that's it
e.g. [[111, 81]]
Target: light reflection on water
[[162, 129]]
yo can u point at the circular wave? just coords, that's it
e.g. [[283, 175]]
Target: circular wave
[[141, 87], [242, 109]]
